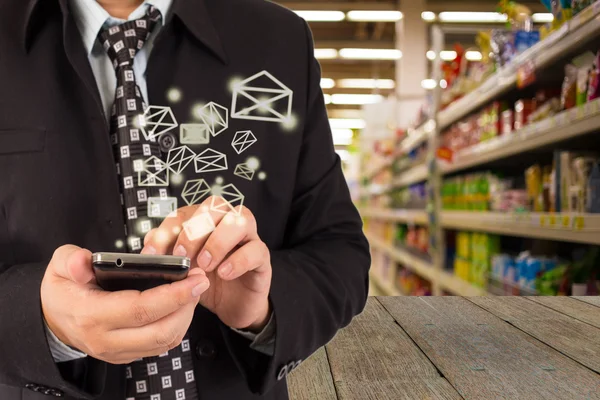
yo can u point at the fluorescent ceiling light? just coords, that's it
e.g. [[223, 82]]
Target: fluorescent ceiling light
[[327, 83], [428, 16], [371, 54], [460, 16], [472, 55], [447, 55], [323, 54], [428, 84], [375, 16], [327, 98], [356, 99], [366, 83], [344, 155], [347, 123], [342, 137], [431, 55], [542, 18], [322, 16]]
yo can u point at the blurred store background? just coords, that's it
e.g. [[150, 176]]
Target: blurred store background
[[468, 132]]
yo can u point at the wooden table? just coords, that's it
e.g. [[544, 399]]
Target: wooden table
[[460, 348]]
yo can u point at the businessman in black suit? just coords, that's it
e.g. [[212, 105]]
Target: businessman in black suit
[[186, 127]]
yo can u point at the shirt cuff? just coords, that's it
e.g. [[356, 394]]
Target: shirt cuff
[[60, 351], [263, 342]]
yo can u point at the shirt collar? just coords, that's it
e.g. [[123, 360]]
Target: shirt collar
[[194, 14], [90, 17]]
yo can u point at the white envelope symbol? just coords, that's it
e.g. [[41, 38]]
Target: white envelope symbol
[[210, 161], [242, 140], [155, 121], [153, 173], [179, 158], [215, 117], [227, 199], [161, 208], [262, 98], [194, 191], [244, 171]]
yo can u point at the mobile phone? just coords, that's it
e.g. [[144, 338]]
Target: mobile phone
[[123, 271]]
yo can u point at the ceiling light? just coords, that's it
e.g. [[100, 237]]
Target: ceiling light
[[431, 55], [366, 83], [347, 123], [327, 98], [472, 55], [374, 16], [428, 84], [327, 83], [356, 99], [542, 18], [428, 16], [448, 55], [443, 84], [460, 16], [323, 54], [322, 16], [342, 137], [371, 54]]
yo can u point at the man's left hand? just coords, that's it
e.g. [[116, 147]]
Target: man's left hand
[[236, 261]]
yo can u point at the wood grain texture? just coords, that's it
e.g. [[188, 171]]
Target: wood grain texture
[[483, 357], [593, 300], [579, 310], [312, 379], [374, 359], [571, 337]]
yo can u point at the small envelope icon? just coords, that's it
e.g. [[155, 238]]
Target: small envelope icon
[[242, 140], [153, 173], [215, 117], [156, 121], [210, 161], [194, 191], [244, 171], [227, 199], [262, 98]]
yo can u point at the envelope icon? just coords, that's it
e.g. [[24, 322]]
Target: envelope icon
[[161, 208], [227, 199], [215, 117], [155, 121], [194, 191], [242, 140], [210, 161], [244, 171], [262, 98], [154, 172]]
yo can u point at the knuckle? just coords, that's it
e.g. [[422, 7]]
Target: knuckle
[[165, 337], [142, 314]]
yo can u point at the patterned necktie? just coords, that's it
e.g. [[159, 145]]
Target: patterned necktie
[[169, 376]]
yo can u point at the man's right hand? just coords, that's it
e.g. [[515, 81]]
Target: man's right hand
[[116, 327]]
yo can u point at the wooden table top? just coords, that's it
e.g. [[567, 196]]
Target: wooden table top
[[460, 348]]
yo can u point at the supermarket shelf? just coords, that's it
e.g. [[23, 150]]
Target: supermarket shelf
[[415, 264], [565, 125], [386, 289], [545, 53], [372, 172], [417, 136], [411, 176], [447, 281], [578, 228], [399, 215]]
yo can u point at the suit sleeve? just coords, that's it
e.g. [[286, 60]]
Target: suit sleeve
[[320, 277], [25, 356]]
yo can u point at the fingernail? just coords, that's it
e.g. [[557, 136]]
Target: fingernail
[[204, 259], [199, 289], [225, 270], [180, 251], [148, 250]]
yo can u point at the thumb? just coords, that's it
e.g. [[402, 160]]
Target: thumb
[[73, 263]]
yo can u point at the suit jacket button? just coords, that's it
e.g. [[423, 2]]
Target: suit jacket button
[[206, 349], [167, 141]]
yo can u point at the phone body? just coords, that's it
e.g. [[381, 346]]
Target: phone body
[[123, 271]]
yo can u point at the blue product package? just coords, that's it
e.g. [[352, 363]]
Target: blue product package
[[534, 265], [521, 41], [521, 271], [534, 37]]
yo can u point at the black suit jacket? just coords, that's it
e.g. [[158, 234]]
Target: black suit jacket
[[58, 186]]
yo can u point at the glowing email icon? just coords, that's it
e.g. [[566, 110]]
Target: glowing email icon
[[179, 158], [210, 161], [227, 199], [199, 226], [215, 117], [262, 98], [155, 121], [194, 191], [161, 208], [244, 171], [154, 172], [242, 140]]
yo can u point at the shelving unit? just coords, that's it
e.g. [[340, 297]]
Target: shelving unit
[[552, 132]]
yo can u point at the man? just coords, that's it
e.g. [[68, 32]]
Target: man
[[186, 127]]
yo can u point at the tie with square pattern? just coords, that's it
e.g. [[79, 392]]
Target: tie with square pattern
[[169, 376]]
